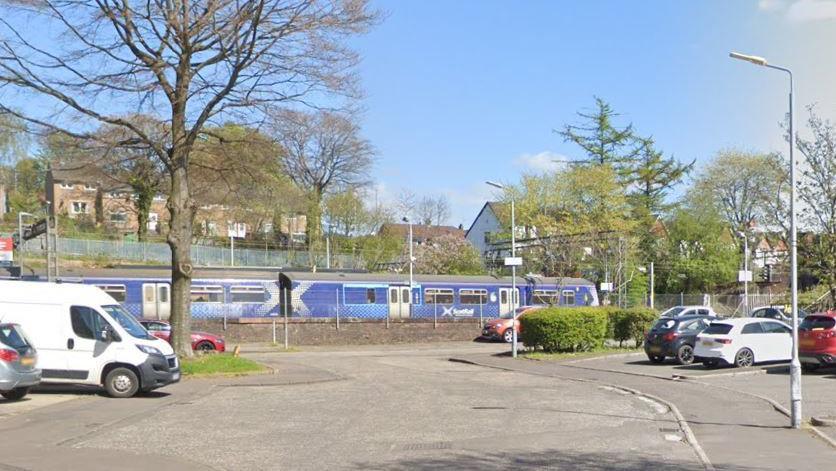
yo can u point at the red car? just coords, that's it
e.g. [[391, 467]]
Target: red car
[[817, 340], [201, 341], [500, 329]]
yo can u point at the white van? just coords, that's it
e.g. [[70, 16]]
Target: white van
[[84, 336]]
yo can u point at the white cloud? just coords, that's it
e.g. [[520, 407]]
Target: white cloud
[[812, 10], [801, 11], [541, 162], [771, 5]]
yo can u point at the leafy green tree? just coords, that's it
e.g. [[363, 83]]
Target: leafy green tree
[[700, 256], [601, 139]]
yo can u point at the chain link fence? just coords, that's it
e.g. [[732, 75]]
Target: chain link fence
[[727, 305]]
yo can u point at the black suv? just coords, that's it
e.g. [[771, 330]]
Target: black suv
[[674, 338]]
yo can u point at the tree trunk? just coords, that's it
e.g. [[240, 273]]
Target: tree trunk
[[182, 213], [142, 229]]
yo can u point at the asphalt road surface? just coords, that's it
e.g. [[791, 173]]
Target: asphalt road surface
[[366, 408]]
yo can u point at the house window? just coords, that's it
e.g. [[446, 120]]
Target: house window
[[568, 297], [246, 294], [118, 217], [473, 296], [88, 187], [545, 296], [79, 207], [116, 292], [207, 294], [438, 296], [66, 186]]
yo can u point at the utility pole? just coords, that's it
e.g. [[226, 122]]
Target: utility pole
[[652, 286]]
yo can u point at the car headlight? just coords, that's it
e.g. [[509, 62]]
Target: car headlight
[[149, 350]]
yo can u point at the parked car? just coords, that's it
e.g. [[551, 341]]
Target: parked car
[[674, 337], [18, 363], [682, 311], [201, 341], [817, 340], [743, 342], [779, 313], [84, 336], [500, 329]]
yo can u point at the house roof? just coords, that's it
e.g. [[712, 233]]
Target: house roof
[[496, 207], [420, 231], [87, 173]]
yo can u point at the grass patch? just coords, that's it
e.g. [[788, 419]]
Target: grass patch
[[218, 364], [599, 352]]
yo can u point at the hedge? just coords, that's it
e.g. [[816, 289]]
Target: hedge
[[559, 329], [564, 329], [627, 324]]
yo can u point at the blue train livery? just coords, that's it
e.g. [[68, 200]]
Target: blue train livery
[[242, 293]]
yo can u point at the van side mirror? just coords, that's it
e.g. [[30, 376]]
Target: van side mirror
[[108, 335]]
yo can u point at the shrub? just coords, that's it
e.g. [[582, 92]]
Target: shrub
[[627, 324], [559, 329]]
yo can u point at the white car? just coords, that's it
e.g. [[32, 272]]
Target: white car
[[743, 342], [681, 311]]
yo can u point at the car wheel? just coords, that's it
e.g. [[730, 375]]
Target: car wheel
[[656, 358], [809, 367], [508, 335], [685, 355], [744, 358], [121, 383], [205, 347], [16, 394]]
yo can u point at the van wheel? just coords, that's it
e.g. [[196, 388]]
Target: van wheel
[[16, 394], [121, 382]]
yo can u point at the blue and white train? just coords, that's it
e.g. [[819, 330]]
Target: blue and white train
[[237, 293]]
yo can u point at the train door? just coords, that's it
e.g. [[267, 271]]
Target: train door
[[156, 301], [504, 301], [399, 300]]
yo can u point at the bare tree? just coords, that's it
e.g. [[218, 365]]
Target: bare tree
[[433, 210], [406, 203], [320, 152], [188, 63]]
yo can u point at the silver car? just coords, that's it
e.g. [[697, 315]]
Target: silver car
[[18, 359]]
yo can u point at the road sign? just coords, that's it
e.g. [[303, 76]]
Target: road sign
[[606, 286], [35, 230], [744, 275], [513, 261], [6, 248]]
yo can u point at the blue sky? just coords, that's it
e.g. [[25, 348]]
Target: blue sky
[[459, 92]]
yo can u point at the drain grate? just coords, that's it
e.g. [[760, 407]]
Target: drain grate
[[428, 446]]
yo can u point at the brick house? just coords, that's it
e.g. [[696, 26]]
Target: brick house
[[77, 193]]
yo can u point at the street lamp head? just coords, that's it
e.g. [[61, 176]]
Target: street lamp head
[[405, 219], [495, 185], [745, 57]]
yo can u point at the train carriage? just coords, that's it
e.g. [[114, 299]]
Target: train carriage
[[246, 293]]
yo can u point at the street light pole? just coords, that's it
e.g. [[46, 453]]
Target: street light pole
[[514, 296], [20, 240], [745, 273], [795, 364]]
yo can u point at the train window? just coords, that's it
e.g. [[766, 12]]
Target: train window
[[545, 296], [116, 292], [246, 294], [503, 296], [207, 294], [371, 297], [438, 296], [393, 296], [473, 296], [568, 297]]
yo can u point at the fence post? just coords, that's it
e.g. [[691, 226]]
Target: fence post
[[481, 322], [681, 299], [285, 318], [274, 331], [338, 309], [435, 314]]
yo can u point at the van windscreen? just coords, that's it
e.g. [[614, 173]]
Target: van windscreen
[[127, 321]]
